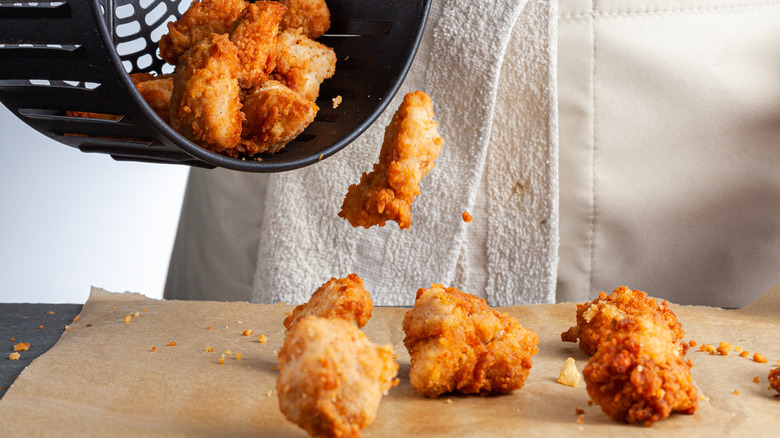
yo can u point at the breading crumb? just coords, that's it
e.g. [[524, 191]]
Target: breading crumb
[[735, 392], [209, 349], [76, 318], [760, 358], [248, 332], [581, 418], [136, 314], [337, 101], [239, 356], [270, 392], [724, 348], [154, 349], [737, 349], [67, 328], [692, 343], [578, 411], [222, 360], [569, 375], [172, 344], [466, 217], [755, 379], [262, 338], [41, 327], [449, 401], [744, 353], [208, 327], [50, 312], [127, 319], [22, 346], [227, 353], [14, 356]]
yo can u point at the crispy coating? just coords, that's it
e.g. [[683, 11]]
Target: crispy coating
[[341, 298], [203, 18], [273, 116], [302, 63], [156, 91], [254, 34], [312, 16], [332, 378], [774, 379], [639, 373], [205, 105], [410, 147], [594, 318], [457, 343]]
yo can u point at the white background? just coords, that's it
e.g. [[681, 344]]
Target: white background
[[70, 220]]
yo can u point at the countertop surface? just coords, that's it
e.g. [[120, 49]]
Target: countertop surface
[[40, 325]]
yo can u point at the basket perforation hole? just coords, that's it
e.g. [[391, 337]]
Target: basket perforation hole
[[155, 14], [40, 82], [124, 11], [146, 3], [127, 29], [144, 61], [128, 66], [133, 46], [167, 69], [183, 6]]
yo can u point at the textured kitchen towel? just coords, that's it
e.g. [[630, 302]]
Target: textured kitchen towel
[[461, 64]]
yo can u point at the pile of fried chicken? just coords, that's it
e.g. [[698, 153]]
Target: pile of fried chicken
[[247, 74]]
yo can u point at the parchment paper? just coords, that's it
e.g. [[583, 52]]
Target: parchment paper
[[103, 379]]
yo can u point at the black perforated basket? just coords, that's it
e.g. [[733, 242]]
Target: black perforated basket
[[76, 55]]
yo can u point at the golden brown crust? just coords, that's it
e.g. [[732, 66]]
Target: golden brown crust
[[273, 116], [457, 343], [203, 18], [332, 378], [340, 298], [774, 379], [312, 16], [594, 318], [156, 91], [254, 34], [302, 64], [411, 145], [205, 105], [639, 373]]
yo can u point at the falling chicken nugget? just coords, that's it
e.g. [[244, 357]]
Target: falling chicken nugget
[[411, 145]]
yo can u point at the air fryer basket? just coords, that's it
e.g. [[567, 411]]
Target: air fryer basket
[[76, 55]]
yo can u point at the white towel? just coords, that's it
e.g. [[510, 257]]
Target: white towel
[[460, 63]]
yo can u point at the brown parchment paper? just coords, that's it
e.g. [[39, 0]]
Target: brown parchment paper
[[103, 379]]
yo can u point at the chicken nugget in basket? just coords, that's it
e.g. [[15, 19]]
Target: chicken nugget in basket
[[594, 318], [409, 150], [273, 116], [457, 343], [203, 18], [205, 103], [311, 16], [774, 379], [639, 374], [341, 298], [303, 64], [254, 34], [332, 378]]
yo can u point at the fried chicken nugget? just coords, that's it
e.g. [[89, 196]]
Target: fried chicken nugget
[[457, 343], [203, 18], [156, 91], [332, 378], [313, 16], [594, 318], [410, 147], [254, 34], [303, 64], [205, 104], [639, 373], [774, 379], [274, 115], [341, 298]]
